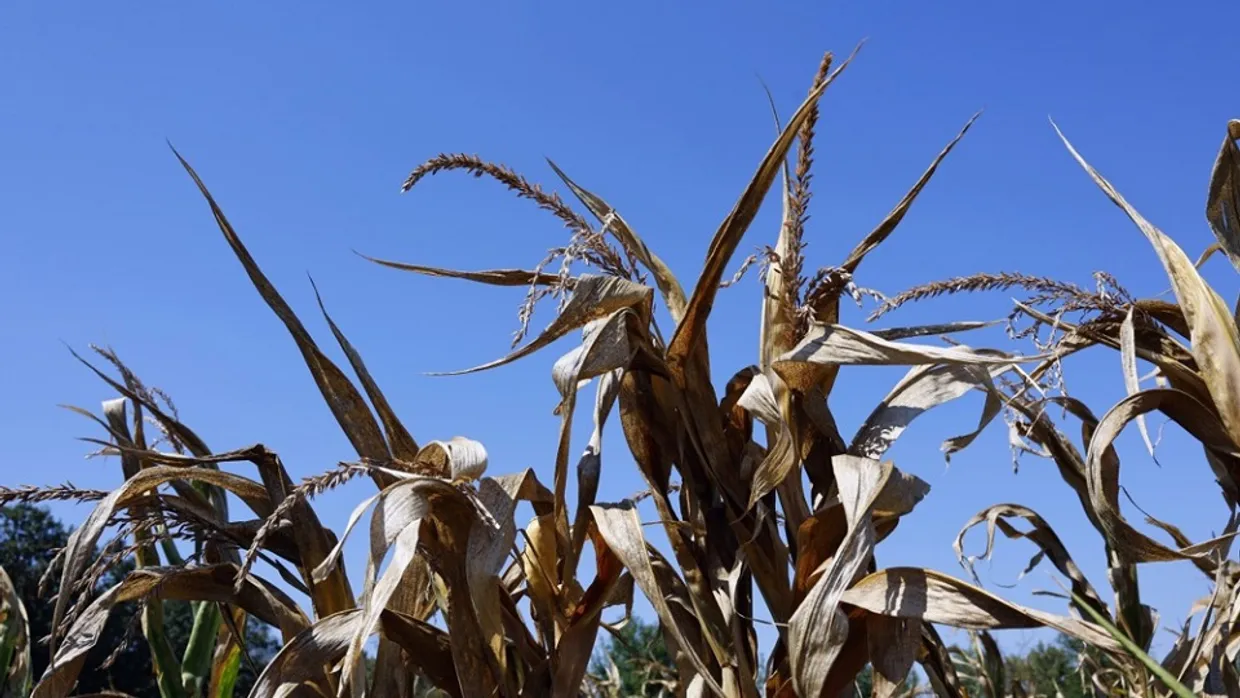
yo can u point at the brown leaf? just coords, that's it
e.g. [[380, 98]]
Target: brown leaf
[[888, 224], [1041, 535], [818, 630], [342, 398], [1223, 200], [1103, 472], [594, 298], [691, 329], [668, 285], [621, 529], [911, 592], [493, 277], [1215, 339]]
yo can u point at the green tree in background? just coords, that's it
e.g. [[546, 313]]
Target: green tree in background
[[29, 537], [1049, 668], [640, 655]]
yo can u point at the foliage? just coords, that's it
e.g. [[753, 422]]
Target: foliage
[[29, 534], [520, 615], [641, 659]]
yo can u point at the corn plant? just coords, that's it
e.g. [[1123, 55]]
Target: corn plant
[[758, 493], [1193, 346]]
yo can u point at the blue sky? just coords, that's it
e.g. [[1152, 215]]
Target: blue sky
[[305, 118]]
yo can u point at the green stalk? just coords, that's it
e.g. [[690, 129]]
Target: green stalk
[[167, 668], [1155, 668], [196, 664]]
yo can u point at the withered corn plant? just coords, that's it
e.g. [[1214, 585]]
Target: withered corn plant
[[1193, 346], [758, 493]]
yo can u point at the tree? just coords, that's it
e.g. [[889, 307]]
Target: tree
[[1048, 669], [29, 537], [640, 654]]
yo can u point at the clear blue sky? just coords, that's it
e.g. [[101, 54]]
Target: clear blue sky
[[304, 118]]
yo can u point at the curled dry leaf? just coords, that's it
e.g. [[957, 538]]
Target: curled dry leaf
[[1103, 472], [1041, 535], [1215, 338], [1132, 380]]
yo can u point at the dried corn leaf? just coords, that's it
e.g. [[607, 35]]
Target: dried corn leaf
[[691, 329], [303, 658], [922, 389], [213, 583], [80, 548], [490, 539], [911, 592], [1132, 381], [1215, 339], [621, 529], [426, 646], [888, 224], [1223, 200], [826, 346], [342, 398], [1041, 535], [594, 298], [819, 629], [1103, 472], [458, 458], [893, 649], [400, 443], [493, 277], [668, 285]]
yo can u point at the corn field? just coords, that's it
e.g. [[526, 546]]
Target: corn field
[[762, 500]]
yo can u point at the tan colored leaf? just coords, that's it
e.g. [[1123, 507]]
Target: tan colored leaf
[[605, 347], [922, 389], [818, 629], [668, 285], [1132, 381], [911, 592], [620, 527], [827, 346], [594, 298], [400, 442], [342, 398], [1223, 201], [893, 649], [303, 658], [459, 458], [1103, 472], [1041, 535], [691, 328], [426, 646], [80, 548], [1215, 339], [888, 224]]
